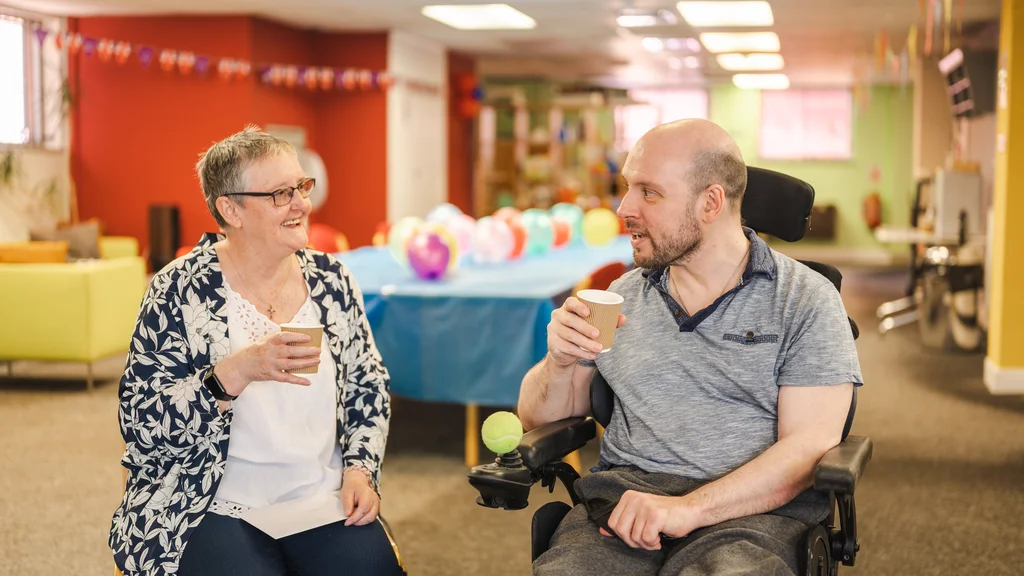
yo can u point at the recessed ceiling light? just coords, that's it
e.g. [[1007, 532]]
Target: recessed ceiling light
[[735, 61], [761, 81], [712, 14], [718, 42], [480, 17], [675, 63], [652, 44], [691, 62]]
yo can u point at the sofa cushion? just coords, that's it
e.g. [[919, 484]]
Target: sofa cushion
[[83, 239]]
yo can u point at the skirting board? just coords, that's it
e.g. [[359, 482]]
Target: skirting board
[[1001, 380]]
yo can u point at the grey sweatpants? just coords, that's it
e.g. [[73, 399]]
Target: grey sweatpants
[[765, 544]]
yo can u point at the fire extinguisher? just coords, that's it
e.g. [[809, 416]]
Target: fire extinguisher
[[873, 210]]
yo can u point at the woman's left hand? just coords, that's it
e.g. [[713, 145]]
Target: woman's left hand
[[358, 498]]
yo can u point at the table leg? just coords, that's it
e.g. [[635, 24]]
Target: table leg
[[472, 432], [574, 461]]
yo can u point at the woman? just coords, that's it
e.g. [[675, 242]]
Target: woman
[[216, 425]]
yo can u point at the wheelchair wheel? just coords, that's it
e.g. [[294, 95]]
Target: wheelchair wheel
[[819, 556]]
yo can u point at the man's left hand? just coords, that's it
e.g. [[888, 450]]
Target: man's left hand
[[358, 499], [641, 519]]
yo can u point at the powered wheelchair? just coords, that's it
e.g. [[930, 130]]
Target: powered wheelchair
[[774, 204]]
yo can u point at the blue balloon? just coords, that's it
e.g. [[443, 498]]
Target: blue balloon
[[477, 93]]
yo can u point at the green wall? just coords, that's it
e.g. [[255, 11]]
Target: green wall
[[882, 133]]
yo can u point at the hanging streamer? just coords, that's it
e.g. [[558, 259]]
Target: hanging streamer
[[948, 13], [929, 24], [912, 45]]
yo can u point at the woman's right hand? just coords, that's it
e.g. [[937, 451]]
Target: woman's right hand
[[267, 360], [570, 337]]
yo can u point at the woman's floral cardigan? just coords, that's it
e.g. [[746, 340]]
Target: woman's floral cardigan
[[176, 437]]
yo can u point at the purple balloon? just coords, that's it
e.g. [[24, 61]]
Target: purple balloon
[[428, 255]]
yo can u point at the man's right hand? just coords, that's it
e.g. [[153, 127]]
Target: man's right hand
[[570, 337], [267, 360]]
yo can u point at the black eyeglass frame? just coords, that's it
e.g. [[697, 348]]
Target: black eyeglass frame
[[288, 191]]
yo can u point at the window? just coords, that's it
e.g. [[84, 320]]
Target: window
[[806, 124], [658, 107], [13, 90]]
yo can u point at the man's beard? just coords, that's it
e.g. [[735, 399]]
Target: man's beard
[[674, 250]]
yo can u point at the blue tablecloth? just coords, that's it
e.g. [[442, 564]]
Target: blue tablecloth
[[471, 336]]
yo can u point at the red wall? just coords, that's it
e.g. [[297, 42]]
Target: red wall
[[352, 133], [461, 149], [138, 133]]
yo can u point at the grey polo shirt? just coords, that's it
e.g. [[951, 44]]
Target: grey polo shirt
[[698, 396]]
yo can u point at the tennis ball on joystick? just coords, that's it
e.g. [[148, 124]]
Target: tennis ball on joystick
[[502, 432]]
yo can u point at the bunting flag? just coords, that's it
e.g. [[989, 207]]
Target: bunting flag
[[187, 63]]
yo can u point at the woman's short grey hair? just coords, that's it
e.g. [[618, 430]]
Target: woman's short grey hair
[[221, 169]]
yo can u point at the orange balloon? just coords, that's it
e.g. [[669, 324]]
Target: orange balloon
[[562, 232], [508, 215], [519, 234]]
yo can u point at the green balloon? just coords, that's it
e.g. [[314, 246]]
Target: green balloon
[[539, 232]]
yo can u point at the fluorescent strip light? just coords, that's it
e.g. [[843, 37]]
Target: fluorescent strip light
[[735, 61], [718, 42], [480, 17], [714, 14], [680, 44], [761, 81], [637, 20]]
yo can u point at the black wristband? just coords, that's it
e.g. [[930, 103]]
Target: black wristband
[[213, 384]]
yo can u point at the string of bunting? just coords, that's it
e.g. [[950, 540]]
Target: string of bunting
[[186, 63]]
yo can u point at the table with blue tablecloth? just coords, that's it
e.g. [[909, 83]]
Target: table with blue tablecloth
[[470, 337]]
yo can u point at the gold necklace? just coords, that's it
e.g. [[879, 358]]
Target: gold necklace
[[679, 295], [270, 306]]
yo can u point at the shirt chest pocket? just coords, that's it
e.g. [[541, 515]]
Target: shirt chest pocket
[[754, 349]]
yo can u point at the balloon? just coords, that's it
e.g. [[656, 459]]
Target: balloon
[[448, 238], [442, 212], [600, 226], [493, 240], [518, 237], [539, 233], [562, 230], [399, 235], [461, 227], [428, 255], [324, 238], [508, 213], [573, 215]]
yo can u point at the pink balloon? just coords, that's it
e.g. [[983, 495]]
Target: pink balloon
[[462, 228], [492, 240], [428, 255]]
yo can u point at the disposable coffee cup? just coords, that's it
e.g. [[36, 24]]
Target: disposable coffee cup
[[316, 334], [604, 314]]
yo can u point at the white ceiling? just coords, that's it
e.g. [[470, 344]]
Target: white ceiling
[[823, 41]]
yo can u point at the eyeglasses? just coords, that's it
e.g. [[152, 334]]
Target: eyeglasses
[[284, 196]]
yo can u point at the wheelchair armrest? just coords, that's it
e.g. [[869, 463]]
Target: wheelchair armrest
[[554, 441], [841, 467]]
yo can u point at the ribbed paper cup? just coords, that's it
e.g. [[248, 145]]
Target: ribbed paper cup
[[315, 332], [604, 313]]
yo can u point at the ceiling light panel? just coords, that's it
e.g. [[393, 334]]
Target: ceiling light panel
[[480, 17], [720, 14], [734, 61]]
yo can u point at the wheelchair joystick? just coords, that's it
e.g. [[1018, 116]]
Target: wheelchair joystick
[[504, 483]]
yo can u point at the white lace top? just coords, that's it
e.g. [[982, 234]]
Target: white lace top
[[283, 437]]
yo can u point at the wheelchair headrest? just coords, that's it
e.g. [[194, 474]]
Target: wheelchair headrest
[[777, 204]]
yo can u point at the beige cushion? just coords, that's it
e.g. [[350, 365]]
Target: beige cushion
[[83, 239]]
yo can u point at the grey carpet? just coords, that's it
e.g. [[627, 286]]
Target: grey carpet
[[943, 495]]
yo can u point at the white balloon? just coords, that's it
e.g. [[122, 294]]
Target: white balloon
[[493, 240], [313, 166]]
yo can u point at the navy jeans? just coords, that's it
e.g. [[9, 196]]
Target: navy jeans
[[225, 546]]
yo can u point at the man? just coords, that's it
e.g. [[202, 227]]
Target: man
[[733, 376]]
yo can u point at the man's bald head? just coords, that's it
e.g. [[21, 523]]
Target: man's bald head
[[706, 154]]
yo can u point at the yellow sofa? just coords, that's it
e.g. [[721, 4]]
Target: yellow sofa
[[72, 312]]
